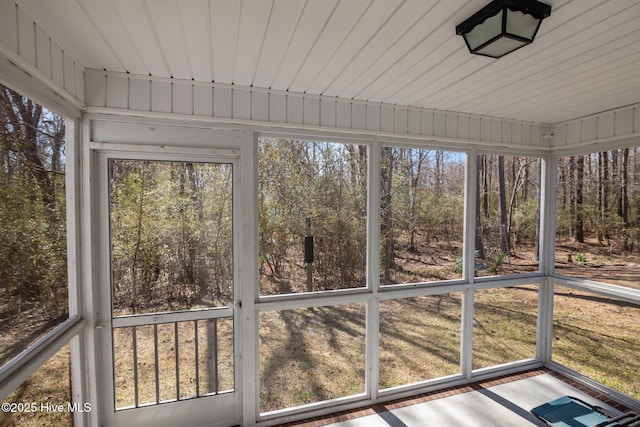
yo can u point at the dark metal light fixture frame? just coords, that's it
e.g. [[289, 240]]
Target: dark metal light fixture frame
[[503, 26]]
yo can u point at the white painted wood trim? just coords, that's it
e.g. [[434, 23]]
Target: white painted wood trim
[[105, 324], [612, 291], [89, 339], [100, 332], [30, 49], [547, 246], [466, 333], [598, 131], [16, 371], [248, 275], [141, 151], [106, 93], [373, 271], [171, 317], [74, 198], [544, 335], [470, 196]]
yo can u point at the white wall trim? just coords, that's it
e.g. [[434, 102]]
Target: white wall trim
[[37, 65], [128, 94], [605, 130]]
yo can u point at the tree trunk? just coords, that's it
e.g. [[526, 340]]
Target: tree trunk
[[483, 164], [415, 173], [579, 230], [479, 243], [25, 115], [387, 213], [504, 231], [623, 204], [525, 184], [603, 176]]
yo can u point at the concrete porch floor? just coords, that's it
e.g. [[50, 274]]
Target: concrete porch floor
[[501, 402]]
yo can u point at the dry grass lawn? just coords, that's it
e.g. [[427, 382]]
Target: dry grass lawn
[[184, 382], [504, 325], [49, 384], [316, 354], [598, 337], [311, 355], [419, 339]]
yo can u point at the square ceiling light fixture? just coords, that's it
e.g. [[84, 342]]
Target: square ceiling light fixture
[[503, 26]]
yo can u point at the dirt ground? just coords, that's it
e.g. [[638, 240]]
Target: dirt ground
[[594, 262]]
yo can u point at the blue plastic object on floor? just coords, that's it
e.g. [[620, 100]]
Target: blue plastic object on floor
[[568, 411]]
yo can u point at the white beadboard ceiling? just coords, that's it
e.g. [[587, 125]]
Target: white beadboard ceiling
[[585, 59]]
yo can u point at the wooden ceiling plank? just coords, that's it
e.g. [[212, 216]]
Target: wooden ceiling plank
[[64, 20], [413, 47], [254, 18], [572, 50], [312, 21], [623, 81], [225, 18], [601, 65], [134, 20], [285, 19], [337, 29], [607, 100], [195, 26], [169, 36], [488, 69], [407, 18], [441, 52], [104, 18], [375, 18]]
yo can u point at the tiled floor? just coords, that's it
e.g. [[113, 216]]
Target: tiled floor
[[504, 401]]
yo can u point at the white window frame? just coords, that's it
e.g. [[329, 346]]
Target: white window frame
[[373, 293], [21, 367]]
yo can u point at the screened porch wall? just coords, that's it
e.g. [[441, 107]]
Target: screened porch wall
[[54, 74]]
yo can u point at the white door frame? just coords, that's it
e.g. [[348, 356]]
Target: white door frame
[[217, 410]]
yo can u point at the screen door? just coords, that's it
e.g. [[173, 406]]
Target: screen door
[[169, 239]]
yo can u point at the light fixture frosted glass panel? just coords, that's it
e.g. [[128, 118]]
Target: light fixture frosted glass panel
[[521, 24], [489, 29], [501, 47]]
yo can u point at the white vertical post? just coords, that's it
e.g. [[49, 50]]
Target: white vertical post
[[89, 302], [468, 264], [74, 271], [373, 271], [547, 243], [470, 196], [247, 368]]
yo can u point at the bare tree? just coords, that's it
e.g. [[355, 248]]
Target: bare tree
[[504, 229], [579, 216]]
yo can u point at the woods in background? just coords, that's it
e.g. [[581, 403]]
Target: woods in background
[[171, 235], [172, 221], [507, 213], [422, 214], [326, 182], [33, 253], [599, 199]]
